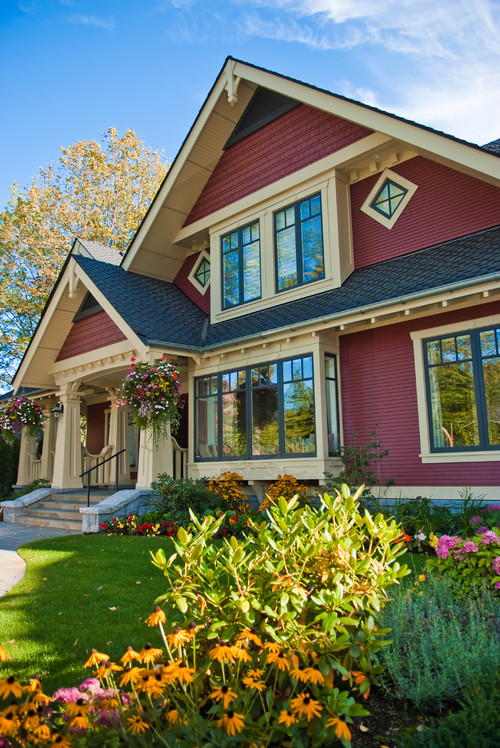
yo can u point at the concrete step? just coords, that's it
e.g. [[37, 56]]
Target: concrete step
[[41, 521], [62, 510]]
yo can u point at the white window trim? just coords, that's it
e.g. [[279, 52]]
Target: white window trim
[[423, 420], [265, 215], [367, 207], [203, 255]]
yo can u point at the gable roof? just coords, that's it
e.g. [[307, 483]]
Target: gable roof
[[160, 245], [160, 314], [97, 251]]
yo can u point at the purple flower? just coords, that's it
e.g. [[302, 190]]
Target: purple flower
[[476, 520], [69, 695], [497, 585], [480, 530], [469, 546], [495, 565], [490, 537], [442, 552]]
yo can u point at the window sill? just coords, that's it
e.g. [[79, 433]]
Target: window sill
[[441, 457]]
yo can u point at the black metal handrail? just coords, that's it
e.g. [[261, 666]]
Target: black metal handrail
[[87, 472]]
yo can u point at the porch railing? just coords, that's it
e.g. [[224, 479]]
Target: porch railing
[[91, 461], [96, 467], [180, 460]]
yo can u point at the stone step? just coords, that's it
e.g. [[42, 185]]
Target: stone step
[[54, 512], [41, 521]]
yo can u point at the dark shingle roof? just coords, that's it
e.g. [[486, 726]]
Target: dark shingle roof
[[493, 146], [102, 253], [159, 312]]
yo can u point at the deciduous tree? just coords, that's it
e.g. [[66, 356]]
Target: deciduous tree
[[98, 191]]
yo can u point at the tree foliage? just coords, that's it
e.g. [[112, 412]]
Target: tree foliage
[[98, 191]]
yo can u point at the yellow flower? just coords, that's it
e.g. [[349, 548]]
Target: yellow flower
[[174, 717], [158, 616], [96, 658], [77, 708], [107, 667], [313, 675], [183, 673], [232, 721], [247, 634], [80, 722], [42, 732], [242, 654], [129, 655], [272, 647], [9, 686], [223, 652], [31, 720], [60, 740], [130, 675], [252, 682], [422, 577], [8, 720], [136, 725], [224, 694], [3, 654], [179, 637], [287, 718], [149, 654], [341, 729], [433, 540], [279, 659], [305, 706]]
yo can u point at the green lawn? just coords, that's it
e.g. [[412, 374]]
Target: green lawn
[[82, 592], [79, 592]]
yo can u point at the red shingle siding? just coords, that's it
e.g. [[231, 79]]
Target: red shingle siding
[[182, 281], [291, 142], [378, 385], [447, 204], [90, 333]]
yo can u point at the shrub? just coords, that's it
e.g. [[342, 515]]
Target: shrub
[[439, 643], [176, 497], [471, 562], [286, 486], [229, 493], [361, 462], [9, 458]]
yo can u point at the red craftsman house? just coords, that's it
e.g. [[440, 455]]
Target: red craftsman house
[[314, 267]]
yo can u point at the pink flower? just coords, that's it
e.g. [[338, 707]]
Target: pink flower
[[490, 537], [495, 565], [476, 520], [469, 546], [482, 529], [493, 508], [497, 585]]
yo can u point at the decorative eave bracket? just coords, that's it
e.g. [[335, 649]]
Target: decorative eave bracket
[[232, 83]]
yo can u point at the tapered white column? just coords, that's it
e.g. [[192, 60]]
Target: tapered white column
[[49, 443], [118, 438], [153, 458], [28, 446], [68, 452]]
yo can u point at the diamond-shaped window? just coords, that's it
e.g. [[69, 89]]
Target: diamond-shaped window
[[202, 273], [389, 197]]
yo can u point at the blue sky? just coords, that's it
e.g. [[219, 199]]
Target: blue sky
[[70, 69]]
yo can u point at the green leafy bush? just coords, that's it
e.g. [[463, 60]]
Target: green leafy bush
[[440, 643], [176, 496]]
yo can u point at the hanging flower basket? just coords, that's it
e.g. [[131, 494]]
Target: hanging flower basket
[[152, 392], [20, 413]]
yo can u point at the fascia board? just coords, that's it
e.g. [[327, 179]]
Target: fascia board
[[132, 337], [434, 143], [175, 170]]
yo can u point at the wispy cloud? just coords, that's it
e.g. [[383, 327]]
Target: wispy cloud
[[91, 20]]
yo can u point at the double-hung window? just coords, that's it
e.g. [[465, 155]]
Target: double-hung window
[[463, 390], [265, 410], [241, 281], [298, 233]]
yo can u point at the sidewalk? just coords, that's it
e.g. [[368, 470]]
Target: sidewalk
[[12, 535]]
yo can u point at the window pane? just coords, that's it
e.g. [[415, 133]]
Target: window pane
[[286, 258], [488, 343], [312, 250], [265, 430], [448, 349], [207, 426], [434, 352], [234, 443], [231, 280], [251, 271], [453, 405], [491, 375], [300, 437]]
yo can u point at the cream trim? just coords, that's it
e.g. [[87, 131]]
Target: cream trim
[[423, 421], [203, 255], [398, 179]]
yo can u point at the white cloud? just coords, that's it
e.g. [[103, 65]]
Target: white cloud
[[91, 20]]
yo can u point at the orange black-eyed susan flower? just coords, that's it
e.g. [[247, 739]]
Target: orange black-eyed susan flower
[[299, 674], [223, 693], [96, 658], [130, 675], [340, 726], [224, 652], [279, 659], [78, 707], [273, 647], [42, 732], [232, 722], [250, 682], [10, 687], [60, 741], [287, 718], [129, 656], [79, 722], [136, 725], [8, 720], [247, 634], [183, 673], [304, 705], [242, 654], [31, 719], [3, 654], [106, 668], [313, 675], [178, 637], [175, 718], [156, 617], [149, 654]]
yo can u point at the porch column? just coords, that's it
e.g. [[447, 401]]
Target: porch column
[[48, 446], [68, 452], [118, 438], [153, 459], [24, 471]]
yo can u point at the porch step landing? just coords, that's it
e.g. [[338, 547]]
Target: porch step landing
[[61, 511]]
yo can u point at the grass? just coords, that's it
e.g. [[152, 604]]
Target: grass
[[78, 593]]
